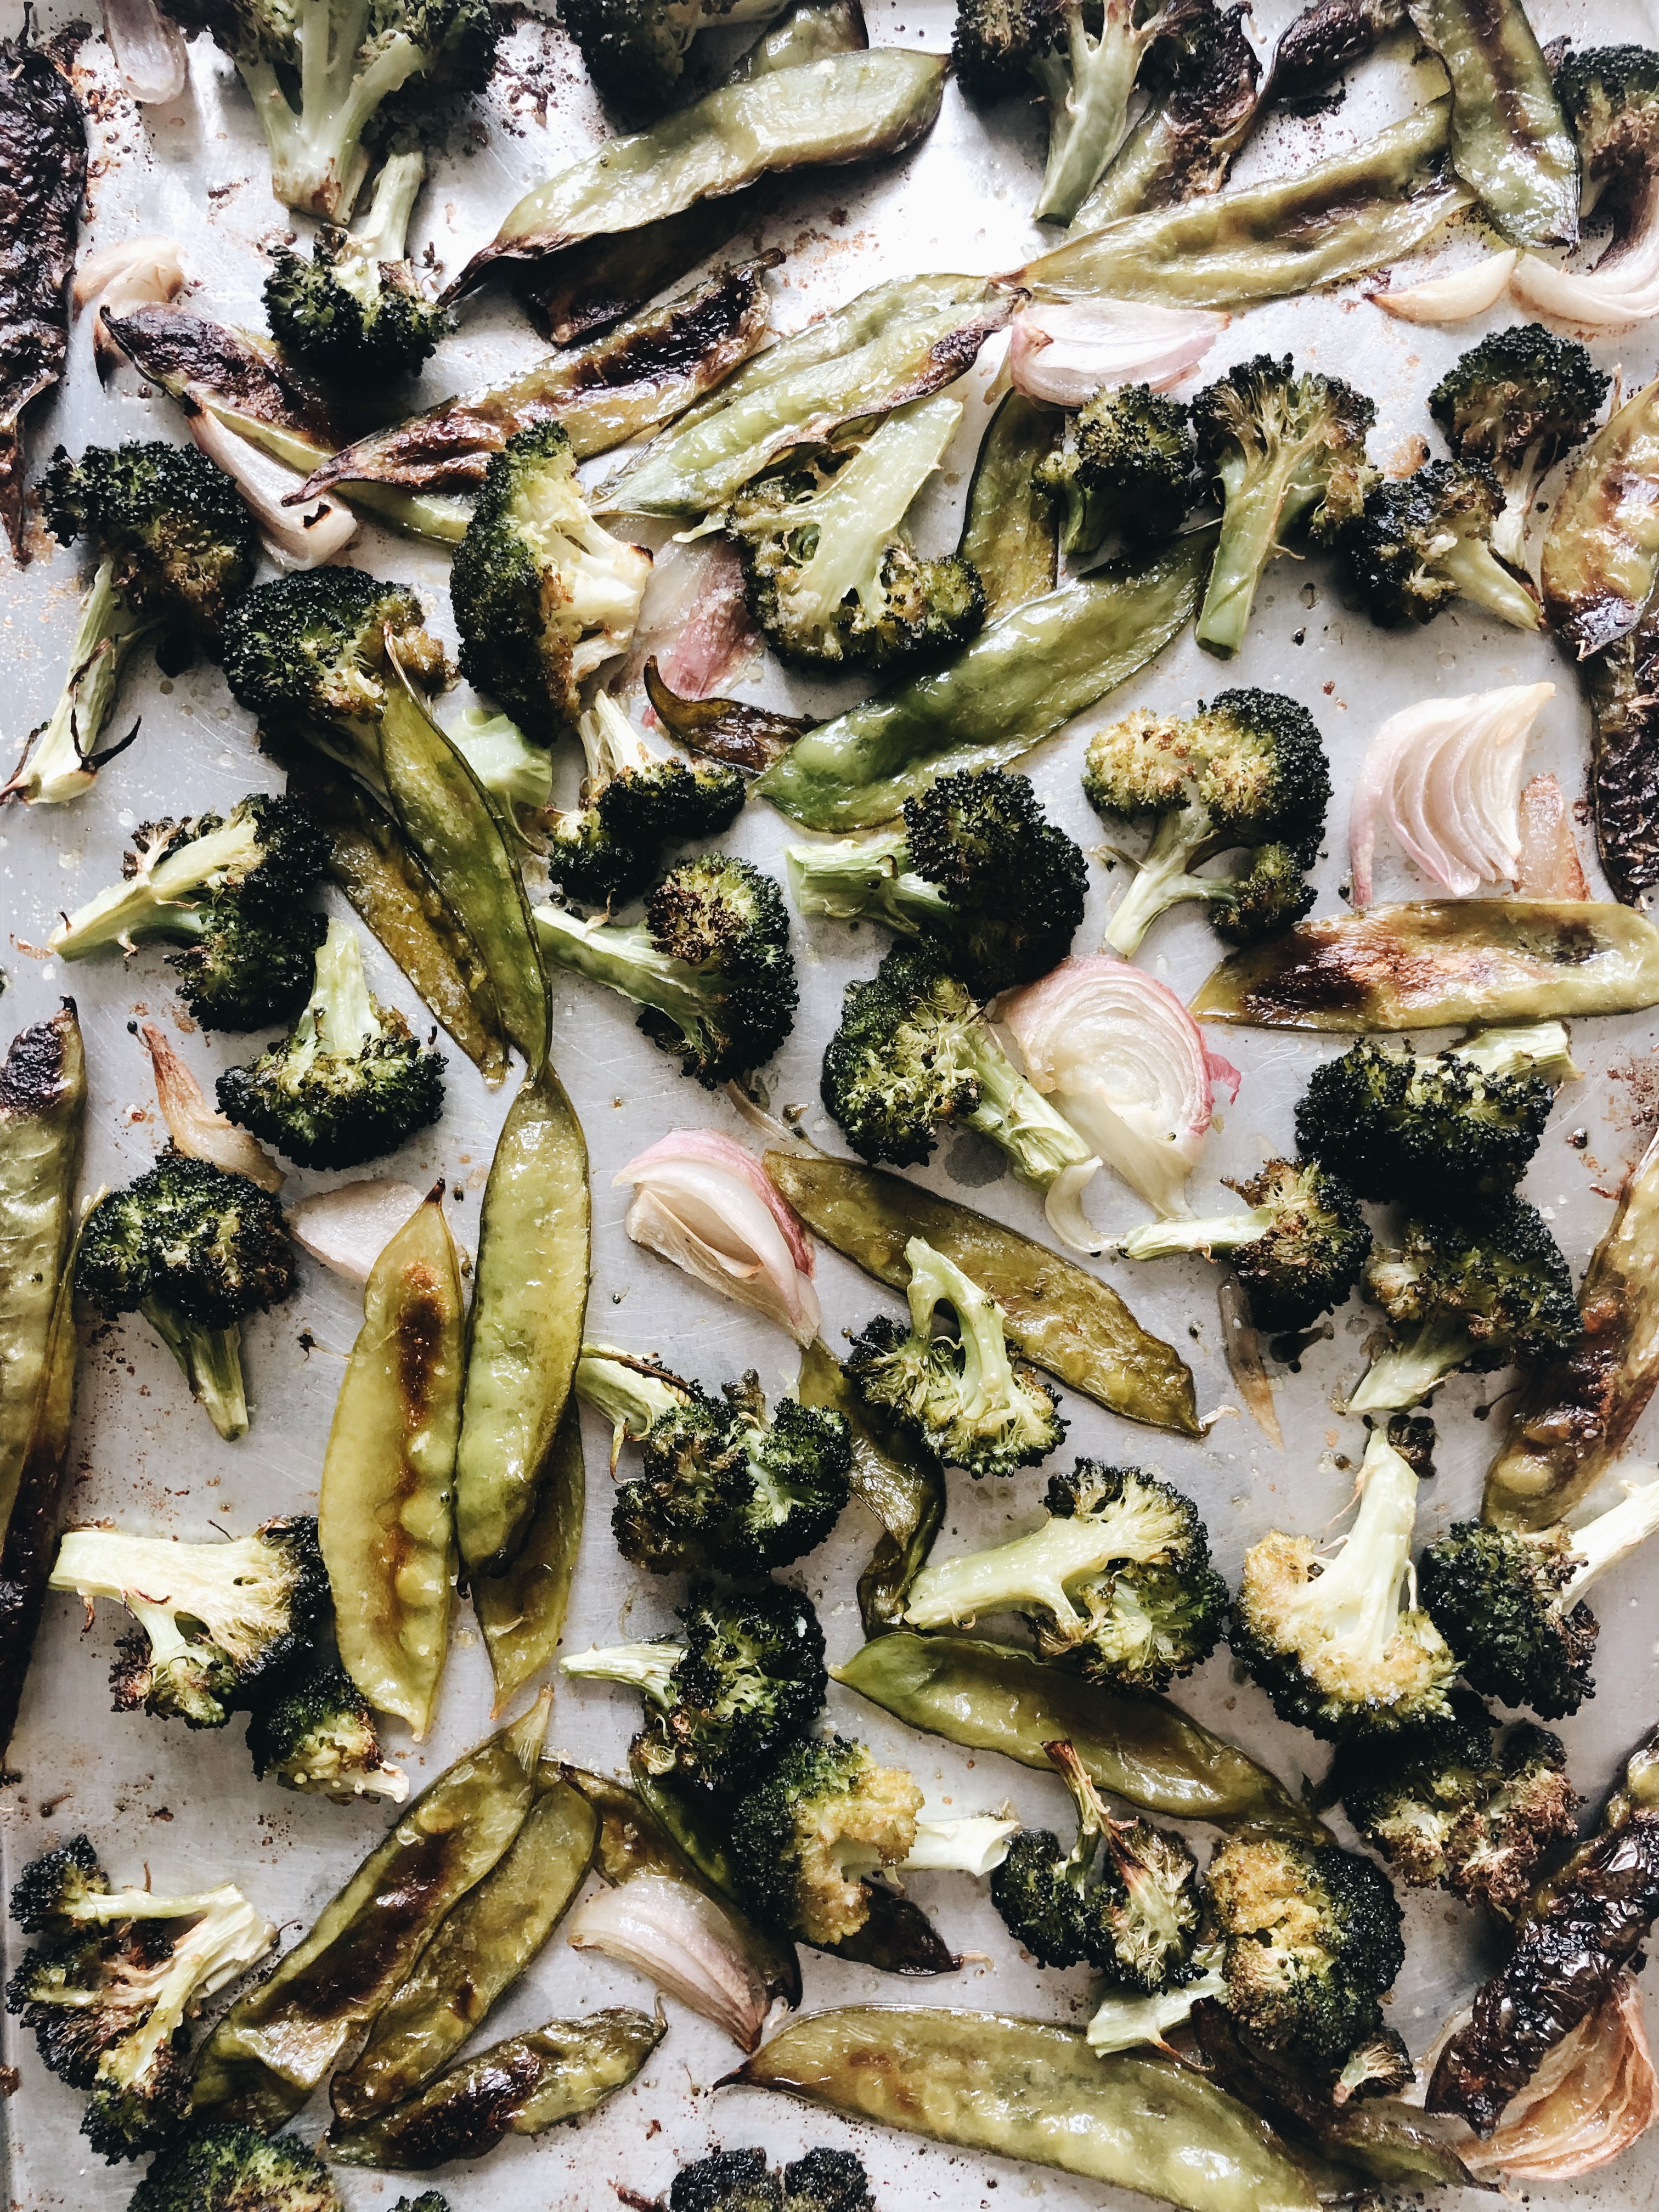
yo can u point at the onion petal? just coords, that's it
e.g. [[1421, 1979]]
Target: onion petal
[[148, 50], [1622, 288], [295, 536], [1550, 866], [1594, 2094], [704, 1203], [1063, 351], [683, 1941], [1241, 1342], [139, 272], [348, 1229], [193, 1125], [1451, 299]]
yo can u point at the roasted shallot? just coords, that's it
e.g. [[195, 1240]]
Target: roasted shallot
[[1550, 867], [1453, 299], [139, 272], [702, 1201], [194, 1126], [684, 1942], [349, 1228], [1622, 288], [1063, 351], [694, 621], [295, 536], [1594, 2094]]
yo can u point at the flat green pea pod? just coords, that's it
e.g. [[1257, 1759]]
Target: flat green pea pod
[[522, 1612], [527, 1308], [1021, 679], [1271, 241], [994, 1696], [485, 1943], [1011, 531], [1436, 964], [902, 1484], [1056, 1314], [274, 2045], [1022, 2089], [521, 2087], [1600, 556], [386, 1509], [1510, 141]]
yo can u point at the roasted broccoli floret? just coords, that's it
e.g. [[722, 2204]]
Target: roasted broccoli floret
[[1289, 455], [738, 2181], [1202, 81], [356, 311], [318, 1735], [1513, 1601], [633, 803], [1611, 97], [1444, 1803], [222, 2166], [1117, 1579], [174, 545], [359, 71], [1126, 463], [352, 1083], [709, 968], [720, 1485], [1297, 1252], [1517, 401], [220, 1625], [1461, 1124], [1486, 1287], [194, 1249], [543, 595], [1322, 1629], [1247, 772], [635, 50], [230, 890], [978, 871], [961, 1395], [1427, 539], [744, 1681]]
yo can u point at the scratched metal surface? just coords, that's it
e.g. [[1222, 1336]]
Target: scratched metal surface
[[185, 1807]]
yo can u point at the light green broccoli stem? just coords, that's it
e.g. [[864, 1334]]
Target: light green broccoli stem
[[611, 745], [103, 1563], [317, 162], [516, 774], [229, 1939], [987, 1381], [153, 903], [1354, 1603], [624, 958], [1542, 1049], [1041, 1144], [976, 1844], [137, 1905], [210, 1360], [864, 879], [1264, 500], [385, 235], [1223, 1232], [1036, 1570], [1484, 580], [1610, 1538], [1407, 1371], [339, 1018], [631, 1400], [1088, 92], [1124, 2022], [1161, 880], [56, 767], [647, 1668]]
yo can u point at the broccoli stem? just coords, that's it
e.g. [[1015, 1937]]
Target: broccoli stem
[[340, 1015], [647, 1668], [631, 1400], [1542, 1049], [1520, 480], [317, 158], [1161, 881], [987, 1374], [1355, 1603], [1124, 2022], [864, 879], [1222, 1232], [57, 767], [1041, 1144], [384, 236], [1028, 1573], [976, 1844], [517, 773], [153, 903], [624, 958], [1088, 92], [210, 1360], [1257, 515], [1411, 1368], [1483, 579], [230, 1938], [1603, 1543]]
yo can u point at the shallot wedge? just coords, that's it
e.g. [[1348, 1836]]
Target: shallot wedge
[[695, 622], [683, 1941], [1452, 299], [194, 1126], [1550, 866], [1127, 1064], [1622, 288], [139, 272], [149, 49], [1444, 776], [1589, 2100], [704, 1203], [1063, 351], [295, 536], [348, 1229]]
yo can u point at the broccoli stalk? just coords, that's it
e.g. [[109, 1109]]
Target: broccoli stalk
[[1298, 1251], [633, 805], [1125, 2020], [355, 309], [1517, 401], [516, 774], [1424, 540], [62, 761], [1087, 81], [632, 1395]]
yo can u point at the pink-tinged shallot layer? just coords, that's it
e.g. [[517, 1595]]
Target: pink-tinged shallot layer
[[139, 272], [1127, 1064], [1622, 288], [1444, 776], [348, 1228], [1063, 351], [702, 1201], [1550, 865], [194, 1126], [1451, 299], [1589, 2100], [694, 619], [683, 1941]]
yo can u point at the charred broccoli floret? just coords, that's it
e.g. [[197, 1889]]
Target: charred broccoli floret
[[175, 546], [1289, 455], [1202, 81], [350, 1084], [1513, 1601], [221, 2166], [1484, 1288], [1126, 463], [1117, 1579], [356, 310], [978, 871], [1427, 539], [739, 2181], [1610, 95], [633, 803], [195, 1250], [744, 1681], [1297, 1252], [1247, 772], [709, 968], [318, 1735], [635, 50], [1323, 1631], [1517, 401], [962, 1395], [543, 595]]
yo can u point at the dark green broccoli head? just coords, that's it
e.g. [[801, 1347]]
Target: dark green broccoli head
[[318, 1735], [997, 41], [635, 50], [1490, 1282], [1040, 1900], [430, 2200], [248, 966], [221, 2166], [1013, 883], [346, 317], [1496, 1596], [1611, 97], [692, 1485], [182, 542], [1261, 416], [1309, 1257], [50, 1888], [209, 1245], [608, 849], [802, 1842], [725, 928], [799, 1467], [747, 1680], [1395, 1122], [1427, 539], [1126, 464], [1519, 388], [1247, 769], [740, 2181], [317, 647], [901, 1061]]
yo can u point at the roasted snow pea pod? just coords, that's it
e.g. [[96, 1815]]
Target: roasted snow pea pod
[[1600, 556], [625, 386], [522, 1612], [484, 1944], [528, 1308], [728, 730], [1022, 2089], [521, 2087], [1510, 142], [446, 814], [274, 2045], [385, 1508], [1058, 1315], [1011, 531], [1436, 964], [1269, 242], [1022, 678], [1575, 1416], [994, 1696], [902, 1484], [846, 108], [1622, 681]]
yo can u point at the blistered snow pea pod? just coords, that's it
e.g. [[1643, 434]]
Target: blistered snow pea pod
[[1601, 553], [522, 1612], [1022, 2089], [386, 1511], [900, 1482], [1011, 530], [1510, 141]]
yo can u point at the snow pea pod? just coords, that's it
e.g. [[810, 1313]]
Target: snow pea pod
[[1600, 556], [485, 1943], [1011, 531], [386, 1509], [528, 1308], [1023, 2089], [522, 1612], [1621, 683], [275, 2044], [1016, 682], [1058, 1315], [1510, 141], [902, 1484], [1438, 963], [522, 2087], [994, 1696]]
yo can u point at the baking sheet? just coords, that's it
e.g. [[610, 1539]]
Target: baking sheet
[[185, 1807]]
